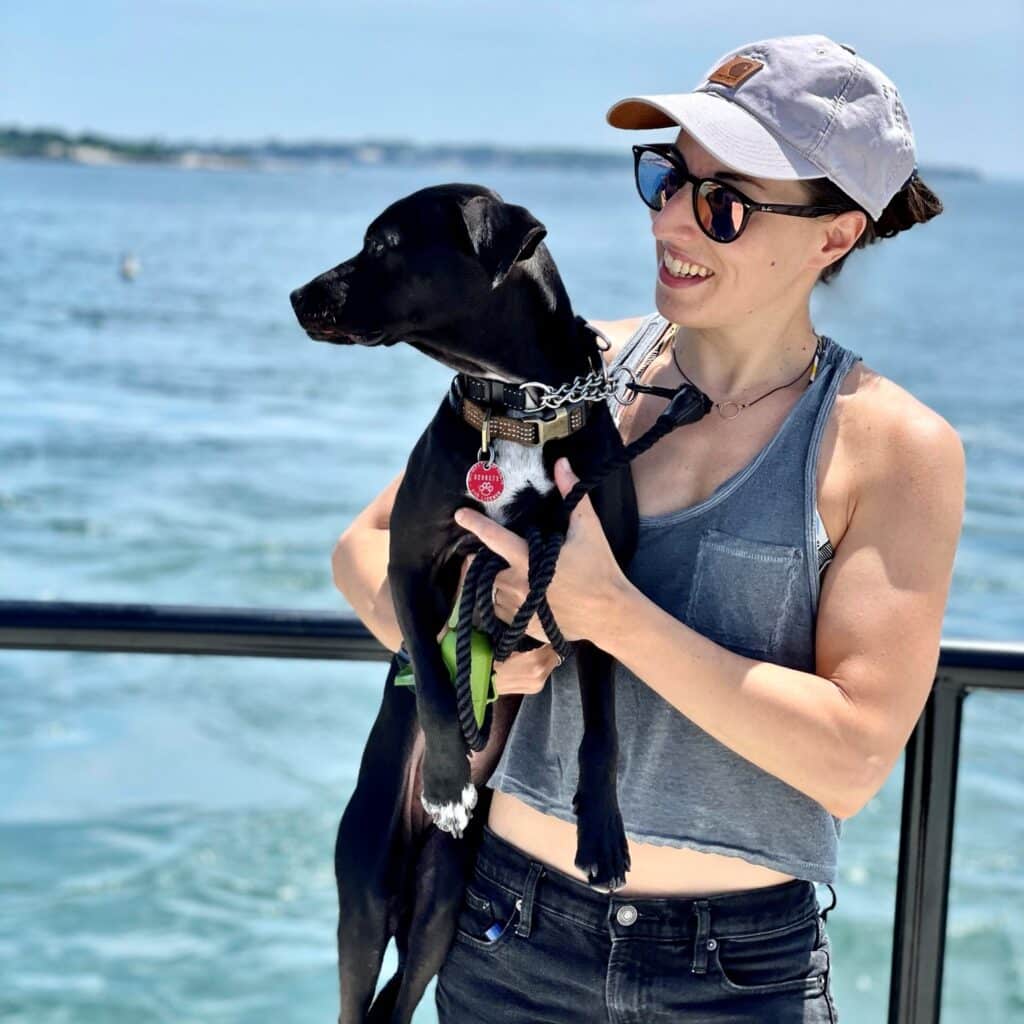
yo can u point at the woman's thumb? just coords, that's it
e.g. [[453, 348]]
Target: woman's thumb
[[565, 478]]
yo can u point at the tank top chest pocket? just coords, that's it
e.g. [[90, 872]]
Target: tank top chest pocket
[[742, 592]]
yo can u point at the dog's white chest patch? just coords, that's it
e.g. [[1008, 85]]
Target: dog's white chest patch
[[521, 466]]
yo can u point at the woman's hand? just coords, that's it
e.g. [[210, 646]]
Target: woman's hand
[[587, 578], [522, 671], [525, 671], [507, 602]]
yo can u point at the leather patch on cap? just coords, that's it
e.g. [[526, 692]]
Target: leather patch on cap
[[735, 71]]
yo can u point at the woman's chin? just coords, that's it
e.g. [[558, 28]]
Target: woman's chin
[[676, 312]]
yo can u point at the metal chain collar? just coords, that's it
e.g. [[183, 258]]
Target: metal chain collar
[[596, 386]]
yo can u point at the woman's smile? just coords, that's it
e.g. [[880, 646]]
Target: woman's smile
[[678, 275]]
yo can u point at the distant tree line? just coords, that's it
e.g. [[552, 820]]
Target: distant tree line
[[43, 143]]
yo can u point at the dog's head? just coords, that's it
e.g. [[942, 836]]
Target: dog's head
[[426, 261]]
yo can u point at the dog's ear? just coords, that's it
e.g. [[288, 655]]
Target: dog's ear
[[501, 234]]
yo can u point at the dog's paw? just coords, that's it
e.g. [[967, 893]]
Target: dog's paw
[[452, 817], [602, 852]]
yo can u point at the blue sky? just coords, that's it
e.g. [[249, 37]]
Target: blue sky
[[521, 73]]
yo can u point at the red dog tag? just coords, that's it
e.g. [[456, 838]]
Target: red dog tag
[[484, 481]]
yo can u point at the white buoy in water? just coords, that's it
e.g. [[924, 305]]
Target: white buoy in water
[[129, 266]]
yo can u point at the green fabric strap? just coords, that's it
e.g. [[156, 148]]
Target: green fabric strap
[[481, 679]]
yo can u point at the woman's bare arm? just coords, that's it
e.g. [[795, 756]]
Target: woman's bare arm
[[359, 566], [836, 733]]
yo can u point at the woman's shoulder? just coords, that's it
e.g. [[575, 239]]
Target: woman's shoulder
[[886, 431], [618, 332]]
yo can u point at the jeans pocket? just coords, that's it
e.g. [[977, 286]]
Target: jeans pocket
[[790, 958], [487, 913]]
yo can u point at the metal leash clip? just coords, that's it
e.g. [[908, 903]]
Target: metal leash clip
[[623, 385]]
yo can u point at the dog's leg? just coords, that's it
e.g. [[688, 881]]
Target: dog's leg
[[442, 869], [423, 937], [369, 852], [448, 794], [601, 849]]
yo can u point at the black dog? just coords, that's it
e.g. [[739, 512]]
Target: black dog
[[464, 277]]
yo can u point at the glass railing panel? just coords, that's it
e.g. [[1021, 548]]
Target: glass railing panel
[[861, 926], [983, 976], [167, 833]]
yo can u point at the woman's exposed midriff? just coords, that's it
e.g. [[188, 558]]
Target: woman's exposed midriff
[[654, 870]]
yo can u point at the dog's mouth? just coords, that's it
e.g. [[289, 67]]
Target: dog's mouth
[[337, 336]]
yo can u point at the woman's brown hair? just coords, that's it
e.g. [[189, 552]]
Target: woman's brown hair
[[915, 203]]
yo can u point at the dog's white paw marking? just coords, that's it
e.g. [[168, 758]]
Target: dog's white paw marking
[[450, 817]]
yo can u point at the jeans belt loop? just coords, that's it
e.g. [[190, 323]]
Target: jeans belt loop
[[526, 903], [700, 942]]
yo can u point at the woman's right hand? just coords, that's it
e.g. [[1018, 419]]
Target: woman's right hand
[[525, 671], [522, 672]]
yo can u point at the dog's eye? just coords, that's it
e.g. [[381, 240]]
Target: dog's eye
[[374, 246]]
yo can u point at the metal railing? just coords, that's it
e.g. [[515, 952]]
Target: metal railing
[[931, 756]]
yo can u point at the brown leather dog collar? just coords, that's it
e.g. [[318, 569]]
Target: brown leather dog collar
[[522, 428]]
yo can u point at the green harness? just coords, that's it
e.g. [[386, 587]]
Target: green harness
[[481, 679]]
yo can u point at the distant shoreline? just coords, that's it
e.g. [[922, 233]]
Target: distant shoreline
[[96, 149]]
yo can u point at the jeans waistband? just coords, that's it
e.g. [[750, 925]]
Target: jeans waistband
[[729, 914]]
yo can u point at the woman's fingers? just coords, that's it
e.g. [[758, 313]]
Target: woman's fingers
[[525, 671], [508, 601], [507, 605]]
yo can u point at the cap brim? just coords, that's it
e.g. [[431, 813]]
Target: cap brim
[[724, 128]]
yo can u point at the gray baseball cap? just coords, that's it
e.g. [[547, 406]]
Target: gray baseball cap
[[793, 107]]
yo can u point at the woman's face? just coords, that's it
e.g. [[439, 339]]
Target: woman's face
[[767, 266]]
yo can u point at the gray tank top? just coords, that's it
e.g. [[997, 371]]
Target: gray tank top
[[741, 568]]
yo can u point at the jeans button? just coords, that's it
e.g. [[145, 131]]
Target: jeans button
[[626, 915], [712, 943]]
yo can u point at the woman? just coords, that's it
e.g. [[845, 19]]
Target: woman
[[760, 699]]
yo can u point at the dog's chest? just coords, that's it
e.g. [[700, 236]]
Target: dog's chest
[[521, 466]]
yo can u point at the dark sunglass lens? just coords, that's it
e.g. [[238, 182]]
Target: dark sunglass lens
[[656, 179], [720, 211]]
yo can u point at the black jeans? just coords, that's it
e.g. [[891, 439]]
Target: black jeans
[[536, 945]]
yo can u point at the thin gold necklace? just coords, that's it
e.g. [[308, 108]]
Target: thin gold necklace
[[738, 407]]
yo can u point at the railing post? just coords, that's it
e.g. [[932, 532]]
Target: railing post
[[926, 843]]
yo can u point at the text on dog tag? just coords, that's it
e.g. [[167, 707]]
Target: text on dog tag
[[484, 481]]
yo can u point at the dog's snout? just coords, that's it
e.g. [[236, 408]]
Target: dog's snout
[[319, 307], [317, 300]]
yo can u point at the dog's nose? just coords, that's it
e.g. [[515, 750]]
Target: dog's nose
[[296, 298]]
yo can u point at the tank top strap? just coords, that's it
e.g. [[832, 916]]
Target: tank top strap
[[642, 340], [635, 349]]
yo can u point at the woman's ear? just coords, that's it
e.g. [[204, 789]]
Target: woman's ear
[[841, 234], [501, 234]]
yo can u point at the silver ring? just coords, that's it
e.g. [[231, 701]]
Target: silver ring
[[494, 594], [621, 384]]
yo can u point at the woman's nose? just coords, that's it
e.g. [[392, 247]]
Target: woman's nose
[[675, 216]]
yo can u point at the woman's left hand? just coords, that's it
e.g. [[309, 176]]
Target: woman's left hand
[[587, 577]]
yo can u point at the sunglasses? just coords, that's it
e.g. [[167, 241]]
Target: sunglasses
[[721, 210]]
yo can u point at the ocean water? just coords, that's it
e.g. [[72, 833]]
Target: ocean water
[[167, 823]]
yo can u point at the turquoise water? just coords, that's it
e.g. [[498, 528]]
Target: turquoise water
[[167, 824]]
